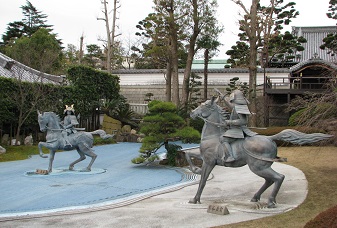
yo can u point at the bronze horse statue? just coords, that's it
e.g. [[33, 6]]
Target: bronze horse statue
[[81, 141], [258, 152]]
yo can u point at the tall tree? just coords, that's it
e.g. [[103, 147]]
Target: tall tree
[[330, 41], [32, 21], [41, 51], [169, 10], [208, 42], [239, 54], [201, 16], [258, 23], [332, 12], [285, 47], [94, 57]]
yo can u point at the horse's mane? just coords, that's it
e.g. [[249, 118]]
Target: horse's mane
[[54, 115], [223, 114]]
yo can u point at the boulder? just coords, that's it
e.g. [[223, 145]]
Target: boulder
[[5, 139], [29, 140], [2, 150], [126, 129]]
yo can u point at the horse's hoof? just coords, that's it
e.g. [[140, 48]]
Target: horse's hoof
[[71, 168], [254, 200], [194, 201], [85, 170], [271, 205]]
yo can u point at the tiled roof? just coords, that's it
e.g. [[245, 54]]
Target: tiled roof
[[10, 68], [314, 36], [313, 61]]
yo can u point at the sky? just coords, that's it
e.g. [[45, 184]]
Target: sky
[[72, 18]]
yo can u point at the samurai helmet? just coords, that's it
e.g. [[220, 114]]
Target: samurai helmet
[[70, 108], [237, 97]]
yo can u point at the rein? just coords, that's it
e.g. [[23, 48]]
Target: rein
[[213, 123]]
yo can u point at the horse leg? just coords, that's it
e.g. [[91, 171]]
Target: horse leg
[[82, 157], [89, 152], [40, 145], [206, 169], [193, 168], [257, 195], [271, 177], [51, 159]]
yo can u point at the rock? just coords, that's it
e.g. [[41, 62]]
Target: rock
[[29, 140], [126, 129], [5, 139], [13, 143], [2, 150]]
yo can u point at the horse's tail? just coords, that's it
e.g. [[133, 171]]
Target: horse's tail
[[102, 134], [299, 138]]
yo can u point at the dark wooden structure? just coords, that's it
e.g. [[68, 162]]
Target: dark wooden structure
[[308, 76]]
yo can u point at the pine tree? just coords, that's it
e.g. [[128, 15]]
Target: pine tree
[[32, 21]]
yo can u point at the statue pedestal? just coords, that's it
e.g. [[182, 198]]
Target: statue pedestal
[[64, 171]]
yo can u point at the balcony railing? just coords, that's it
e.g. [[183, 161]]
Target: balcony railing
[[297, 83]]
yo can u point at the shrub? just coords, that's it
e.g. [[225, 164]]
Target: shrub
[[188, 135]]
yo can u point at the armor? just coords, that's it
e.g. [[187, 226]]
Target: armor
[[237, 122], [69, 122]]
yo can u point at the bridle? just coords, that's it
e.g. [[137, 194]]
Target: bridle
[[210, 108]]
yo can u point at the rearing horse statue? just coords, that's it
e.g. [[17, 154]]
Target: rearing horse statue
[[258, 152], [81, 141]]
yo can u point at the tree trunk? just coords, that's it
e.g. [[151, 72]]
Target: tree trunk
[[108, 45], [206, 60], [168, 81], [113, 32], [253, 38], [174, 58], [191, 52]]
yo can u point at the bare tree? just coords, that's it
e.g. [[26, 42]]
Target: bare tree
[[110, 33]]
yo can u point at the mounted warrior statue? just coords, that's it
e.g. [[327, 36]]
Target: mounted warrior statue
[[237, 122], [64, 136], [228, 142], [70, 120]]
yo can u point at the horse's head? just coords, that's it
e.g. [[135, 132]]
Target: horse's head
[[205, 109], [43, 122], [48, 119]]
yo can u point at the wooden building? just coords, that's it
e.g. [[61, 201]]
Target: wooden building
[[307, 76]]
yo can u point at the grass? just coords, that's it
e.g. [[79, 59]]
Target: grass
[[319, 164], [14, 153]]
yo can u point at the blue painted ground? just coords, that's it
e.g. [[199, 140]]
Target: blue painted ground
[[113, 177]]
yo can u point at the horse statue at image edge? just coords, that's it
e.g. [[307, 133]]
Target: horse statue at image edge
[[81, 141], [258, 152]]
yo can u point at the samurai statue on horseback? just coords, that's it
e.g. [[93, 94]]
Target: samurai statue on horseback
[[229, 142]]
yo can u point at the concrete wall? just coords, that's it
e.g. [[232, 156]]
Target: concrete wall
[[134, 86]]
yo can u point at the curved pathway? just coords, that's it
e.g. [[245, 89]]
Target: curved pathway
[[165, 204]]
